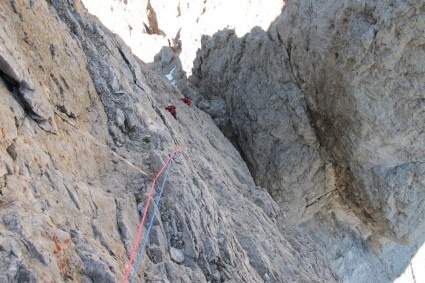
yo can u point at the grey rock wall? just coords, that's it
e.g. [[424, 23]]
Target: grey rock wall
[[69, 208], [326, 108], [360, 65], [247, 86]]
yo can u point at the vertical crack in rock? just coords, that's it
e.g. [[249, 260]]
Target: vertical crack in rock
[[73, 198], [122, 228], [131, 68]]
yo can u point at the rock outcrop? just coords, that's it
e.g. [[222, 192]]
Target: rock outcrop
[[363, 94], [322, 116], [362, 86], [69, 208], [148, 25], [247, 86], [326, 108]]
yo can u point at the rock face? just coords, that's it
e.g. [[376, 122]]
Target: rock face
[[326, 108], [260, 107], [363, 95], [69, 208], [363, 92]]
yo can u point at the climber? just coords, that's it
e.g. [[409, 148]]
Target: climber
[[172, 110], [186, 100]]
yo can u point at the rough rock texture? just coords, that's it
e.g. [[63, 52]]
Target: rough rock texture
[[326, 108], [69, 209], [364, 93], [259, 106]]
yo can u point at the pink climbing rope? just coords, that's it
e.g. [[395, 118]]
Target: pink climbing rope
[[139, 232]]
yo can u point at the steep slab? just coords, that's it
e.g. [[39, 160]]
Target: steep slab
[[68, 208]]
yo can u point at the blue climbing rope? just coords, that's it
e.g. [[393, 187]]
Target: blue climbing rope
[[140, 256]]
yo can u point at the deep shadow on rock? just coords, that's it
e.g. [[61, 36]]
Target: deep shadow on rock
[[328, 116]]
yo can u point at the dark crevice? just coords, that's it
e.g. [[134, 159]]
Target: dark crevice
[[13, 86], [58, 85], [322, 127], [66, 111], [344, 179], [74, 200], [99, 235], [32, 249], [280, 40], [319, 198], [121, 226], [147, 29], [13, 4], [64, 82], [129, 65], [124, 57], [11, 150]]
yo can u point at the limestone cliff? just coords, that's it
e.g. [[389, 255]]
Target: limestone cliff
[[364, 91], [68, 207], [327, 107], [367, 105]]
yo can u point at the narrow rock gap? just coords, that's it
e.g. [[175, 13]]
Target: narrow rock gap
[[74, 200], [319, 198], [129, 65], [121, 226], [13, 86]]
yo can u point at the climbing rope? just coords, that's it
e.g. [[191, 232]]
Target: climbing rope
[[139, 258], [87, 135], [139, 232]]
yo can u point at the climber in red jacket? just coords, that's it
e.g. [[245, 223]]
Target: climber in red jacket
[[172, 110], [186, 100]]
